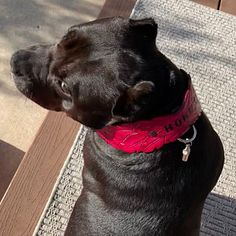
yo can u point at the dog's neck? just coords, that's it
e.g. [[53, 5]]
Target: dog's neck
[[175, 85], [171, 85], [149, 135]]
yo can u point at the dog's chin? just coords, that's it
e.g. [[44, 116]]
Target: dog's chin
[[91, 125], [27, 88], [23, 85]]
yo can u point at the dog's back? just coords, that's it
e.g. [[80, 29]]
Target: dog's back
[[146, 194]]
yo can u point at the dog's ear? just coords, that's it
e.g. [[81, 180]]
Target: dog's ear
[[142, 89], [145, 27], [134, 99]]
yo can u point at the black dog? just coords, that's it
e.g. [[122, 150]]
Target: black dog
[[106, 73]]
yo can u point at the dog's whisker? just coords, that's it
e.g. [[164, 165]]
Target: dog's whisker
[[12, 75], [25, 100], [31, 96]]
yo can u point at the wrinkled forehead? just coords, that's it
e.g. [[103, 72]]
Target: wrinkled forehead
[[87, 45], [102, 33], [102, 26]]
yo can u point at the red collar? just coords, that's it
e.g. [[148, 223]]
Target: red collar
[[148, 135]]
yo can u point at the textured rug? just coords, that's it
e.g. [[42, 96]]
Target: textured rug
[[202, 41]]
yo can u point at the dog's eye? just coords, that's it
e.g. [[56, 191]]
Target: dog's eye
[[64, 87]]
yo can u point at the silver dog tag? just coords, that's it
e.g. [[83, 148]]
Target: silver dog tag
[[186, 152]]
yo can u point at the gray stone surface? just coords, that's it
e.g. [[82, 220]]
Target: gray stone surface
[[24, 23]]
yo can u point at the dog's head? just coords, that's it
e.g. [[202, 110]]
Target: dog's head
[[100, 72]]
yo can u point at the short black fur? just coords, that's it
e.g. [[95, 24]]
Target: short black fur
[[106, 72]]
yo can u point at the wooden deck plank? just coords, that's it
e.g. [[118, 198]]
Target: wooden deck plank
[[28, 193], [117, 8], [33, 182], [10, 158], [228, 6], [209, 3]]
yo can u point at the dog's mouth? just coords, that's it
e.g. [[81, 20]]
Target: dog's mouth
[[24, 85], [33, 92]]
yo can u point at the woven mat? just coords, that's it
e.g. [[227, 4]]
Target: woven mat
[[202, 41]]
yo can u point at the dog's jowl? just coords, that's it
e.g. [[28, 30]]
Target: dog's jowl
[[151, 155]]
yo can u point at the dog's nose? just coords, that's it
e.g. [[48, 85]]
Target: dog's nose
[[17, 60], [15, 63]]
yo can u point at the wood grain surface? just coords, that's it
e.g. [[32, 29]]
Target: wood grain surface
[[33, 182], [210, 3], [117, 8], [10, 158], [228, 6]]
